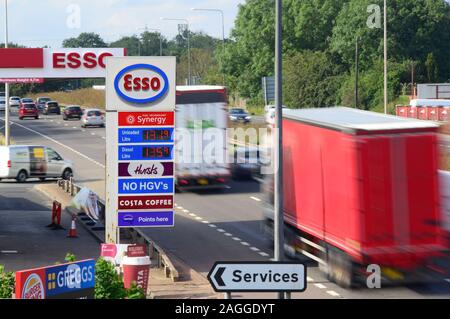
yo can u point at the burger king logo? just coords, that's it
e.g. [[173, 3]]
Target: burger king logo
[[33, 288]]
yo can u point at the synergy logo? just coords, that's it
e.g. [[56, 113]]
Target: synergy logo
[[141, 83], [33, 288]]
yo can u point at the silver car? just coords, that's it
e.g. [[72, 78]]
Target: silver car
[[92, 117]]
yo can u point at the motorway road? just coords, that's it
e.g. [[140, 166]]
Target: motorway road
[[210, 226]]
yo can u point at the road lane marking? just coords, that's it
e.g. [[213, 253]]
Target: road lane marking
[[255, 198], [263, 254], [220, 230], [333, 293], [228, 234], [205, 222], [198, 218], [9, 252], [320, 286], [212, 226], [309, 279], [186, 211], [254, 249], [192, 215], [236, 238], [447, 280], [92, 134], [244, 243], [179, 207], [61, 144], [74, 127]]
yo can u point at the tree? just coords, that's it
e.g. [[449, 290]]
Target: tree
[[432, 68], [85, 40], [131, 44], [311, 79]]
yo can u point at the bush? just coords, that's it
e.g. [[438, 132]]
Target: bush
[[7, 283], [108, 284], [135, 293]]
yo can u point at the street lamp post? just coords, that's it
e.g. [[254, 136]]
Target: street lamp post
[[188, 43], [223, 27], [7, 128]]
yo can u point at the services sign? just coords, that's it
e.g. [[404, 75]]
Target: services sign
[[140, 101]]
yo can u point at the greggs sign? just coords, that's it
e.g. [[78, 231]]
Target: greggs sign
[[56, 63]]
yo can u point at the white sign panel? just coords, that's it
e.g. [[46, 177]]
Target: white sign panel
[[141, 84], [56, 63], [140, 103], [258, 277]]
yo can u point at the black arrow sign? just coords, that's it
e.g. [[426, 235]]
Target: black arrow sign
[[218, 276]]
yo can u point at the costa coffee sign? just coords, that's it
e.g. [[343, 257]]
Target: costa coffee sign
[[56, 63]]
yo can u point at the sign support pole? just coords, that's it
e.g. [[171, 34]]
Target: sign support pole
[[278, 189], [7, 128]]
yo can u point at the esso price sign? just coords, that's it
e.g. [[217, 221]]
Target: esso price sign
[[141, 83]]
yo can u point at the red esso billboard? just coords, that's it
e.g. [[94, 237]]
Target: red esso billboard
[[141, 83], [76, 60]]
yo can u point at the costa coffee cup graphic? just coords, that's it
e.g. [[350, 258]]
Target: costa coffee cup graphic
[[136, 269]]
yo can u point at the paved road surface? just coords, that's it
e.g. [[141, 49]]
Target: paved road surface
[[210, 226]]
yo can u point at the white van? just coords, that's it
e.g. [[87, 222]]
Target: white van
[[21, 162]]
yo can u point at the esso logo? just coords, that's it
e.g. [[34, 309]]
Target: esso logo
[[141, 83]]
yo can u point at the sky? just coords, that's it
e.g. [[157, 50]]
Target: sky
[[37, 23]]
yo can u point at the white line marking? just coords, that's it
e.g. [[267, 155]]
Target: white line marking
[[309, 279], [272, 259], [66, 124], [255, 198], [228, 234], [447, 280], [254, 248], [205, 222], [220, 230], [320, 286], [92, 134], [179, 207], [61, 144], [74, 127], [9, 252], [186, 210], [212, 226], [198, 218], [244, 243], [333, 293], [50, 120], [263, 254], [192, 215], [236, 238]]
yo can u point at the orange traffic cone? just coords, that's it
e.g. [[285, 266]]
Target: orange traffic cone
[[73, 228]]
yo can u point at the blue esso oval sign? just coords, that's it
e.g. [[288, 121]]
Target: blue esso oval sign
[[141, 83]]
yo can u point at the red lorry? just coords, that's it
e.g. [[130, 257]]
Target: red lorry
[[361, 188]]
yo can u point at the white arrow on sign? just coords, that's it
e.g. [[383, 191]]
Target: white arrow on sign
[[258, 277]]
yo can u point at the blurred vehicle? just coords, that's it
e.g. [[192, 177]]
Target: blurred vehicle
[[52, 107], [25, 100], [246, 163], [72, 112], [40, 102], [270, 114], [21, 162], [238, 114], [2, 104], [199, 108], [14, 101], [28, 110], [361, 188], [444, 177], [92, 117]]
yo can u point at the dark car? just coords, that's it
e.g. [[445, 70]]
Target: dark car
[[52, 107], [72, 112], [237, 115], [28, 110], [40, 102], [25, 100]]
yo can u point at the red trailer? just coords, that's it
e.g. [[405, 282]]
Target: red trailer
[[443, 113], [361, 188], [412, 112], [402, 110], [433, 113], [422, 113]]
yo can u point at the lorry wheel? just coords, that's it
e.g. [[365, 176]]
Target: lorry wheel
[[67, 174], [340, 269], [22, 176]]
